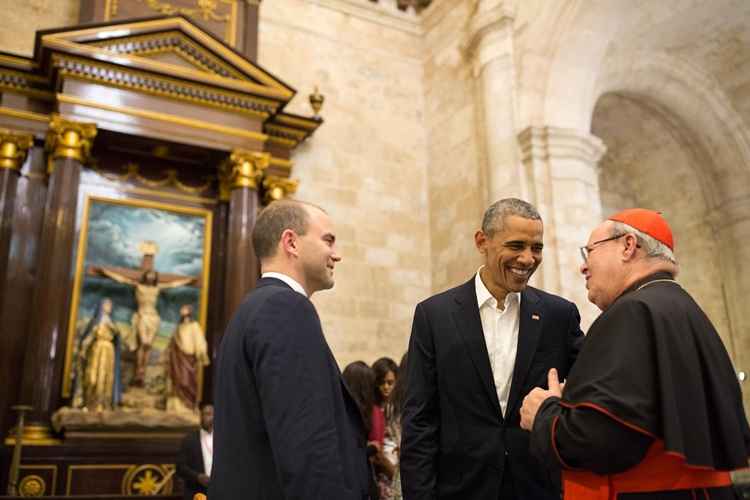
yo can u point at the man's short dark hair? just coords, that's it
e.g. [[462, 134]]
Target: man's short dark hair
[[495, 215], [274, 220]]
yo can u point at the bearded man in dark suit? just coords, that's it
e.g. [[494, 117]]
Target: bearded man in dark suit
[[475, 351], [286, 427]]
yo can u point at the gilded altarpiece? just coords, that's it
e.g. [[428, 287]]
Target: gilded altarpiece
[[135, 156]]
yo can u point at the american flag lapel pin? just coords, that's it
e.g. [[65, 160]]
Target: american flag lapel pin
[[535, 317]]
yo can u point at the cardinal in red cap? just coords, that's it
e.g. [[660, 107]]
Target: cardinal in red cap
[[652, 406]]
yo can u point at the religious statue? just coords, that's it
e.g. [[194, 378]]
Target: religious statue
[[97, 384], [188, 353], [145, 321]]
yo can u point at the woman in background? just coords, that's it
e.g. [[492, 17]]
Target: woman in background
[[393, 412], [386, 374], [360, 380]]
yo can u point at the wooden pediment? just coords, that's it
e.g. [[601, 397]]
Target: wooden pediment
[[86, 70]]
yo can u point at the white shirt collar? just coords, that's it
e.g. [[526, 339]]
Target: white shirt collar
[[286, 279], [484, 295]]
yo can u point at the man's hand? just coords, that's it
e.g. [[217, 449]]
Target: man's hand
[[203, 480], [536, 397]]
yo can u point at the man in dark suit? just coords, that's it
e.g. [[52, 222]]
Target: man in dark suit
[[194, 460], [475, 351], [286, 426]]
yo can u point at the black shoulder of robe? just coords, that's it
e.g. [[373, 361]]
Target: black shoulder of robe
[[654, 363]]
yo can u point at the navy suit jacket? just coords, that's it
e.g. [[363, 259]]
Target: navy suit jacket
[[456, 443], [285, 426], [190, 465]]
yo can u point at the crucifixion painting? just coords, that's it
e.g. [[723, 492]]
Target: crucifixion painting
[[147, 283], [149, 259]]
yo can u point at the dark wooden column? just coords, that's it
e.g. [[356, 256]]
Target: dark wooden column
[[68, 144], [14, 147], [243, 174]]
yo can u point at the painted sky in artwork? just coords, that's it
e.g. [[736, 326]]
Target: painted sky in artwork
[[115, 231]]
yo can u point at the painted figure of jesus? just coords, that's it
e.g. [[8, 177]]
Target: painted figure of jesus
[[145, 321]]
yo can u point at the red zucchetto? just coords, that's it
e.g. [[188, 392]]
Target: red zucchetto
[[646, 221]]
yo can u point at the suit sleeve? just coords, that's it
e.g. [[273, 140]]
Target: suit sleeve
[[299, 400], [583, 438], [421, 415], [575, 337], [184, 463]]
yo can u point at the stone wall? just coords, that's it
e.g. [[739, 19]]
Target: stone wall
[[367, 164], [24, 17], [455, 177]]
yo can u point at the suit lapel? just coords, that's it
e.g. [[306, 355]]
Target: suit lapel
[[529, 332], [469, 325]]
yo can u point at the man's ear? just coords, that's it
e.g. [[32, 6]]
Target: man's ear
[[480, 240], [631, 245], [289, 243]]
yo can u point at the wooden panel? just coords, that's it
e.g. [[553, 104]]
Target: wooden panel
[[17, 291]]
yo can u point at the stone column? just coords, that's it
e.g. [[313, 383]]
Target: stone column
[[277, 188], [13, 149], [563, 166], [242, 177], [491, 43], [731, 226], [68, 145]]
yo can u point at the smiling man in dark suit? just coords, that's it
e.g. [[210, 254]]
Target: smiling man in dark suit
[[286, 427], [475, 351]]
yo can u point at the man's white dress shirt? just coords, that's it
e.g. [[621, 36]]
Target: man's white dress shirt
[[207, 449], [286, 279], [500, 328]]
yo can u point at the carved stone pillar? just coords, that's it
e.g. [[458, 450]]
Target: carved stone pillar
[[241, 179], [563, 167], [277, 188], [731, 226], [13, 149], [491, 44], [68, 145]]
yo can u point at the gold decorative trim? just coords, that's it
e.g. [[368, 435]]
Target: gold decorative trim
[[171, 179], [271, 84], [287, 132], [32, 486], [13, 148], [148, 479], [164, 117], [287, 143], [114, 76], [297, 122], [69, 139], [246, 168], [171, 42], [34, 435], [278, 188], [24, 115], [282, 163], [145, 64], [24, 83], [18, 61], [53, 468], [173, 196], [81, 254]]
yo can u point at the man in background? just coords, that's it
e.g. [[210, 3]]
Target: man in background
[[196, 456]]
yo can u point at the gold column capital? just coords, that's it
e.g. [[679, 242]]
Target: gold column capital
[[243, 169], [277, 188], [13, 148], [70, 139]]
